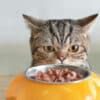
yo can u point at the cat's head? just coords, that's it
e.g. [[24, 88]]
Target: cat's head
[[59, 41]]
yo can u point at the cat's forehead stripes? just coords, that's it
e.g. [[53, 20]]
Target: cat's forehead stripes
[[53, 30], [67, 37], [61, 29]]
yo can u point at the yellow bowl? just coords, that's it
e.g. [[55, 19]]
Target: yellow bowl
[[24, 89]]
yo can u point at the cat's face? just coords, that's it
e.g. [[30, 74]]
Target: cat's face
[[59, 41]]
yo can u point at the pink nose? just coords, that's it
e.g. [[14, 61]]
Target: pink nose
[[61, 56]]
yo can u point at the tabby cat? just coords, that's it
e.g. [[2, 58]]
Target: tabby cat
[[59, 40]]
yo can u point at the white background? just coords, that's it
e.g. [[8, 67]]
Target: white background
[[12, 26]]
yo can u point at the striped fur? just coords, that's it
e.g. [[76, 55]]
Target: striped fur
[[50, 39]]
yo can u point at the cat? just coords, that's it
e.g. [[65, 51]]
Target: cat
[[56, 41]]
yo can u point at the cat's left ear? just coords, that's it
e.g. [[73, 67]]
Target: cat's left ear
[[33, 23], [86, 22]]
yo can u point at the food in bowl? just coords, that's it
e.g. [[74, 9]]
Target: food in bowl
[[58, 75]]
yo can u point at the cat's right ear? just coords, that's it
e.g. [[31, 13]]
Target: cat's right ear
[[87, 22], [33, 23]]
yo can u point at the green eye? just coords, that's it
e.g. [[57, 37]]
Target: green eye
[[74, 48]]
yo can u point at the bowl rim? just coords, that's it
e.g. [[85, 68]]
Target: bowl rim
[[58, 83]]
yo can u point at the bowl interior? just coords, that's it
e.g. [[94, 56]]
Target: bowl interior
[[43, 68]]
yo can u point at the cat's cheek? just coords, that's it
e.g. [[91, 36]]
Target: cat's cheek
[[73, 61], [57, 61], [51, 55], [67, 61]]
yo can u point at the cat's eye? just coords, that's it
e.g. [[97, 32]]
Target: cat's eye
[[74, 48], [49, 48]]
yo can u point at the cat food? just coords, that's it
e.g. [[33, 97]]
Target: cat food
[[58, 75]]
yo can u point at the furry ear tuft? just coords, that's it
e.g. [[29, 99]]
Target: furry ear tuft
[[86, 22], [33, 23]]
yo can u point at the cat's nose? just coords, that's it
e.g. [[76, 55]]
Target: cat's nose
[[61, 56]]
